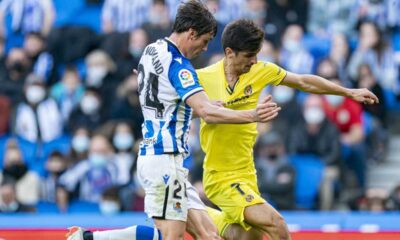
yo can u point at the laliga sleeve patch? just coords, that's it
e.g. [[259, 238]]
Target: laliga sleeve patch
[[186, 78]]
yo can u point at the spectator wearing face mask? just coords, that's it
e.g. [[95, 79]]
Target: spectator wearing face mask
[[56, 164], [68, 92], [8, 200], [38, 118], [276, 177], [316, 135], [287, 118], [346, 115], [293, 56], [90, 113], [79, 145], [158, 24], [88, 179], [110, 203], [101, 75], [27, 182], [123, 141]]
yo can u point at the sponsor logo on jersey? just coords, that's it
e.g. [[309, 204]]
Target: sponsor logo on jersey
[[186, 78], [248, 90]]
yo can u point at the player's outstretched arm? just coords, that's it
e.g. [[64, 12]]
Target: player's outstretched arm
[[211, 113], [318, 85]]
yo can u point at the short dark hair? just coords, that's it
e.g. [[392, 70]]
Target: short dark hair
[[194, 14], [242, 35]]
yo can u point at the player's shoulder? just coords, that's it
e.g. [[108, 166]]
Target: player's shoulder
[[211, 69]]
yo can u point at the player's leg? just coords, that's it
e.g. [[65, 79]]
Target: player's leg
[[264, 217], [232, 231], [199, 223], [131, 233], [163, 179]]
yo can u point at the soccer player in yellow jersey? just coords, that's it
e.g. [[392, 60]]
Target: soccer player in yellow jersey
[[229, 177]]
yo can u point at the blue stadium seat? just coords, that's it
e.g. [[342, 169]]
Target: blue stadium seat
[[29, 151], [89, 16], [368, 122], [391, 101], [66, 10], [3, 141], [61, 144], [83, 207], [46, 207], [309, 170]]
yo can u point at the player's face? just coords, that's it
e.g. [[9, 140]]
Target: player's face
[[244, 60], [198, 44]]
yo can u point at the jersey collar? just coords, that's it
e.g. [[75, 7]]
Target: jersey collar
[[173, 45]]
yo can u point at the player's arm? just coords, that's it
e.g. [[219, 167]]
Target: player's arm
[[318, 85], [212, 113]]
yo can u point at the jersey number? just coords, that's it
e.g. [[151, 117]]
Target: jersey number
[[151, 92], [178, 189]]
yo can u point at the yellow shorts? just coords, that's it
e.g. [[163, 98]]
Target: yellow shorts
[[232, 192]]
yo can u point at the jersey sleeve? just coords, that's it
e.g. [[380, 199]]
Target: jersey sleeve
[[184, 79], [273, 73]]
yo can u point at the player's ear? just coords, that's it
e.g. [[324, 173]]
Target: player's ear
[[192, 34], [229, 52]]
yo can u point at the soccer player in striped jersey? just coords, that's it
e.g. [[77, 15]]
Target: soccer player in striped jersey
[[168, 91]]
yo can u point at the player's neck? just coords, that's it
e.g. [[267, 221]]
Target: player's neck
[[179, 41], [230, 73]]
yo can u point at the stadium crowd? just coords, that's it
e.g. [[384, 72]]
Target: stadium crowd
[[70, 118]]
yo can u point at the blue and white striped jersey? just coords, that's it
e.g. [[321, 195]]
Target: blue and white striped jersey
[[166, 79]]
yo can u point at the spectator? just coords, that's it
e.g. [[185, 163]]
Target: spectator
[[317, 136], [27, 182], [12, 77], [68, 92], [339, 54], [124, 15], [28, 16], [373, 50], [255, 10], [267, 52], [101, 75], [394, 199], [276, 177], [293, 56], [9, 202], [372, 10], [290, 113], [89, 178], [56, 164], [124, 142], [110, 203], [126, 106], [38, 119], [374, 200], [281, 14], [79, 145], [346, 115], [90, 113], [327, 18], [158, 24], [35, 47]]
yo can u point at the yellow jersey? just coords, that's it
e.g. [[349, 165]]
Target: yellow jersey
[[229, 147]]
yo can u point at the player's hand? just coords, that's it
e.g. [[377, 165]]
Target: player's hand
[[266, 110], [363, 95]]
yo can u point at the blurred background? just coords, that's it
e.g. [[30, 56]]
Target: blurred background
[[70, 117]]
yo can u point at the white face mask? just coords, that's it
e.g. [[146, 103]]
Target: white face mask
[[334, 100], [292, 45], [90, 104], [123, 141], [98, 160], [95, 76], [80, 143], [35, 94], [282, 94], [109, 207], [314, 115]]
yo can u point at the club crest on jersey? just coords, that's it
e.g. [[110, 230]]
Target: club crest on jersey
[[248, 90], [249, 198], [186, 78], [178, 207]]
